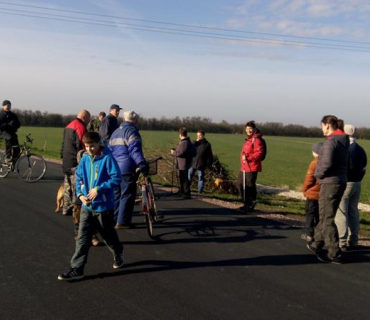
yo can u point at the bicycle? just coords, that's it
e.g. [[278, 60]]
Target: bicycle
[[29, 167], [148, 197]]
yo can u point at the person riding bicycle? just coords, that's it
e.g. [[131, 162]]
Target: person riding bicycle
[[9, 124], [126, 146]]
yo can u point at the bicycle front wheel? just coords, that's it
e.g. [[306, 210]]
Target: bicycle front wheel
[[30, 167], [4, 167]]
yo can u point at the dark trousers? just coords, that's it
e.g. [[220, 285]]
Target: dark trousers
[[90, 222], [125, 196], [326, 232], [12, 147], [249, 194], [184, 182], [312, 216]]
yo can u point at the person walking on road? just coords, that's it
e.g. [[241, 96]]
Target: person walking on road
[[9, 124], [126, 146], [331, 171], [184, 154], [96, 177], [311, 190], [347, 217], [71, 145], [202, 160], [110, 123], [251, 157]]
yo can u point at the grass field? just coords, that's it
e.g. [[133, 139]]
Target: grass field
[[285, 165]]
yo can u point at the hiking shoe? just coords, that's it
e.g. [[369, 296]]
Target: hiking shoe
[[324, 258], [313, 249], [72, 275], [306, 237], [118, 261]]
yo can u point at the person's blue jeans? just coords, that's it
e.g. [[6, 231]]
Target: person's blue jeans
[[191, 174], [125, 196]]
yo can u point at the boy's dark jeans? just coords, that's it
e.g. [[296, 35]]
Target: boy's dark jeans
[[90, 222], [326, 232], [312, 216]]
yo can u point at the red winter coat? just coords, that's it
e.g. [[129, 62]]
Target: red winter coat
[[253, 149]]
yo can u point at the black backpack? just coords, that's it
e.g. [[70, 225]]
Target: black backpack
[[264, 153]]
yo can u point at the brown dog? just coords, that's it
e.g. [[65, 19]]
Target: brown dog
[[224, 186], [60, 198]]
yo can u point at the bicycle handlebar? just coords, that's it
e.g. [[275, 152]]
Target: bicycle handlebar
[[154, 160]]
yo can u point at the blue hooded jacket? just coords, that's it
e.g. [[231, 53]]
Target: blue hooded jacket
[[126, 147], [101, 172]]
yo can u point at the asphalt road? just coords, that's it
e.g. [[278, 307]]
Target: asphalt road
[[209, 263]]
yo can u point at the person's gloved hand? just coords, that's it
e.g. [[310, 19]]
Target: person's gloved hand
[[144, 168]]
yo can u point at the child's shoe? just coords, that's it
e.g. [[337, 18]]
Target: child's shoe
[[72, 275]]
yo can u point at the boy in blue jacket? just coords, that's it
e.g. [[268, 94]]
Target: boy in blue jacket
[[96, 177]]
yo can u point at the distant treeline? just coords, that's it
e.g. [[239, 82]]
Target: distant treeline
[[45, 119]]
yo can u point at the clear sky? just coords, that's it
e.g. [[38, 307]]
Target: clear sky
[[233, 60]]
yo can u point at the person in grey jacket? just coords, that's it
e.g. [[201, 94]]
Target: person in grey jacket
[[184, 154], [331, 172], [347, 217]]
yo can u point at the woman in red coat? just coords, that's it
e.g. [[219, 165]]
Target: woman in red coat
[[251, 163]]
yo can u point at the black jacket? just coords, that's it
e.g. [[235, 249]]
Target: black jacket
[[184, 154], [108, 125], [72, 143], [204, 157], [333, 159], [9, 124], [357, 162]]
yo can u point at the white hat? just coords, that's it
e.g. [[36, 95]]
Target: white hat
[[130, 115], [350, 129]]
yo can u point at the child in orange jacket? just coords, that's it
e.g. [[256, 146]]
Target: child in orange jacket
[[311, 190]]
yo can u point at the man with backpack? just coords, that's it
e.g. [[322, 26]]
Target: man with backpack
[[251, 157]]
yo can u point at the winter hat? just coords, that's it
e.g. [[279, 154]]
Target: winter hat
[[350, 129], [316, 147], [6, 102], [130, 115]]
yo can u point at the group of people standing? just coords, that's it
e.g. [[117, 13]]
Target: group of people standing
[[332, 187]]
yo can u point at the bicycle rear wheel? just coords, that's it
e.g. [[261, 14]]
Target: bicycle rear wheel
[[4, 167], [30, 167]]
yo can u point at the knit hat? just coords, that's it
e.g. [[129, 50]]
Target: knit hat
[[350, 129], [6, 102], [130, 115], [115, 106], [316, 147]]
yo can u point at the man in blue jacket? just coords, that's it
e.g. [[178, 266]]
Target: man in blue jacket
[[126, 146]]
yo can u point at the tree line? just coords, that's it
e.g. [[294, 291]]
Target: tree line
[[192, 124]]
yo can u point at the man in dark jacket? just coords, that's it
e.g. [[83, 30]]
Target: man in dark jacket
[[110, 123], [347, 217], [72, 143], [202, 160], [9, 124], [331, 172], [126, 146], [184, 155]]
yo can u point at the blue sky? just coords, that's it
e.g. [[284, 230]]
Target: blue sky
[[62, 66]]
